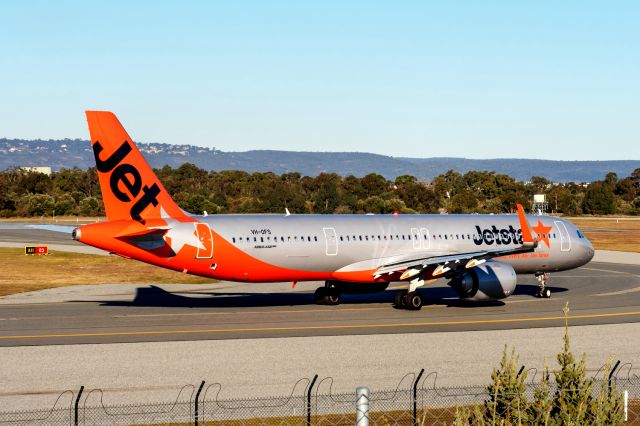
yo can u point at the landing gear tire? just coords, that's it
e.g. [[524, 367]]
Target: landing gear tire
[[332, 296], [545, 294], [400, 299], [326, 296], [413, 301], [318, 296]]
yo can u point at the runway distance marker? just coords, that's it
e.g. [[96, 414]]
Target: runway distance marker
[[36, 250], [322, 327]]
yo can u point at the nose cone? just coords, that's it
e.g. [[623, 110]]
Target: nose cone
[[586, 249]]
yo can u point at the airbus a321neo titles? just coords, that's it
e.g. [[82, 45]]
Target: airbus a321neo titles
[[479, 255]]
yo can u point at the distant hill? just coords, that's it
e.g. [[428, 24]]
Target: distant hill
[[68, 153]]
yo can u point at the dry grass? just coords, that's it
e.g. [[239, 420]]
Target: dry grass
[[49, 220], [22, 273], [605, 233]]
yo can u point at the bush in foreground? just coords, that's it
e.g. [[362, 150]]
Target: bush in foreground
[[574, 398]]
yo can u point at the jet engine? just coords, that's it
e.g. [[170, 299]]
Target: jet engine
[[492, 280]]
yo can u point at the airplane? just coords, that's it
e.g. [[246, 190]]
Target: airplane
[[479, 254]]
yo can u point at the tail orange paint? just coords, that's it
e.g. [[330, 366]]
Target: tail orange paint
[[130, 188]]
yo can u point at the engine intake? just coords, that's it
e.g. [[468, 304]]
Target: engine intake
[[492, 280]]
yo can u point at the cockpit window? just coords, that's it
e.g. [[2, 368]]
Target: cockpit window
[[580, 235]]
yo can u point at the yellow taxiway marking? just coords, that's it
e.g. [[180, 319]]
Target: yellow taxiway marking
[[320, 327], [198, 314]]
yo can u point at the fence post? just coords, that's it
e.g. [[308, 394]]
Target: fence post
[[415, 398], [75, 407], [313, 382], [612, 372], [362, 406], [195, 410], [626, 405]]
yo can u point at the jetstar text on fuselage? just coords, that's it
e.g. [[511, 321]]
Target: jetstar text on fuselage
[[130, 178], [497, 236]]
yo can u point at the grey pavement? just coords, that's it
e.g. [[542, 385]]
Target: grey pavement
[[144, 372], [610, 256]]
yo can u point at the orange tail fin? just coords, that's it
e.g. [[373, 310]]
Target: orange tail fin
[[130, 188]]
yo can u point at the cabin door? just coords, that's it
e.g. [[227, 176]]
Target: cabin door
[[331, 241], [565, 239]]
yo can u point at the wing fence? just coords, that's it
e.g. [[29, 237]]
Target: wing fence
[[417, 400]]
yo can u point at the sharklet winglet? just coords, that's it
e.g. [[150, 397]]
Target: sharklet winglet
[[527, 237]]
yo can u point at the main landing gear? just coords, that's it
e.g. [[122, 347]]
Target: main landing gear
[[410, 300], [543, 291], [327, 295]]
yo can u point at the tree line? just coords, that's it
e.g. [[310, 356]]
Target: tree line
[[77, 192]]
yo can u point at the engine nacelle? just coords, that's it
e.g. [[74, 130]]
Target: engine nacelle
[[492, 280]]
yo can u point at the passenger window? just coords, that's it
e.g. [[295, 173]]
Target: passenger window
[[360, 236], [445, 236], [234, 239], [315, 238], [366, 237], [341, 238]]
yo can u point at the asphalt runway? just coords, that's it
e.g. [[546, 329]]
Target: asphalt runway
[[598, 293]]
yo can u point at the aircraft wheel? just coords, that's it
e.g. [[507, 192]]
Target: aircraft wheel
[[546, 293], [413, 301], [319, 295], [332, 296], [400, 296]]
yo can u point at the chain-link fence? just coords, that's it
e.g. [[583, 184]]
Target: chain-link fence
[[416, 401]]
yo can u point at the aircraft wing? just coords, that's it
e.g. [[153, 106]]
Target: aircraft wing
[[449, 264]]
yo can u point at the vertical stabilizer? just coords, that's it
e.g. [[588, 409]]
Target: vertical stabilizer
[[130, 188]]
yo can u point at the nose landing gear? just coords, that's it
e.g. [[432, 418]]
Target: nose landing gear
[[543, 291]]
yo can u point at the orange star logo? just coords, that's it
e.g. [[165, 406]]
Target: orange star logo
[[542, 232]]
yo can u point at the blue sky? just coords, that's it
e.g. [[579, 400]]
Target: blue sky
[[476, 79]]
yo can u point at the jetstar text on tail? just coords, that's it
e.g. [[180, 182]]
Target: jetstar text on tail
[[497, 236], [130, 178]]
